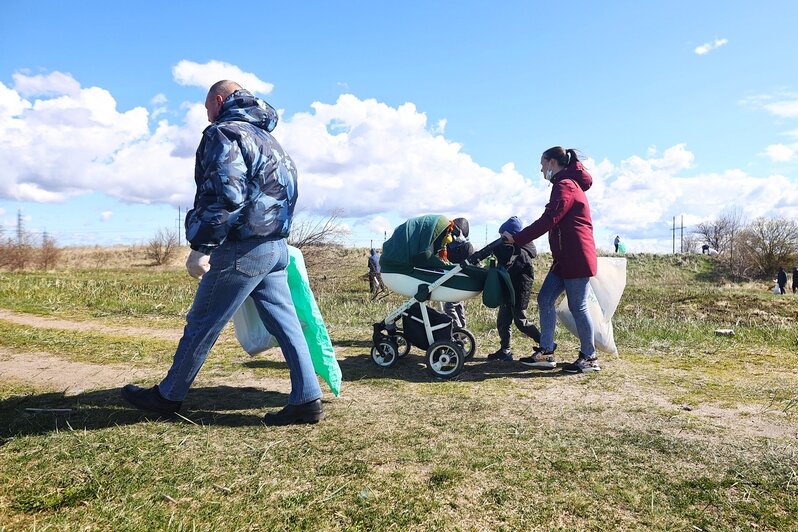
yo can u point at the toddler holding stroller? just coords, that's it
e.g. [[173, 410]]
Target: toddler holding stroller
[[517, 260]]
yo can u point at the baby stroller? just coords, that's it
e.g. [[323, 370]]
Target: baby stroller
[[412, 266]]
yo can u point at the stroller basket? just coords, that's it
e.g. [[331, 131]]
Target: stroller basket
[[415, 332]]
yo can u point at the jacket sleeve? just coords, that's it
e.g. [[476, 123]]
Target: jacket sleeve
[[221, 191], [560, 202]]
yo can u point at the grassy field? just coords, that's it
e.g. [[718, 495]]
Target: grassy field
[[682, 430]]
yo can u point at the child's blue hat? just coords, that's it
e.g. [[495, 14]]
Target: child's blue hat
[[513, 226]]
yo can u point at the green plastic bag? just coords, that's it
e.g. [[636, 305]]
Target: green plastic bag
[[321, 349], [254, 338]]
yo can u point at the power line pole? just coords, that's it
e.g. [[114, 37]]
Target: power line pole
[[673, 232], [19, 226], [681, 236]]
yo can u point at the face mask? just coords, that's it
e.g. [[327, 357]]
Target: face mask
[[549, 175]]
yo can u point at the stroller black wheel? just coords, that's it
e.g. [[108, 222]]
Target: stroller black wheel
[[445, 359], [466, 338], [385, 353], [403, 346]]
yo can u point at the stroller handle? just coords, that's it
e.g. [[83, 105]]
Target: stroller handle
[[485, 252]]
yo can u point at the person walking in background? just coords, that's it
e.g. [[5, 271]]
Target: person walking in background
[[517, 260], [375, 277], [569, 225], [781, 278], [794, 280], [243, 208], [617, 242]]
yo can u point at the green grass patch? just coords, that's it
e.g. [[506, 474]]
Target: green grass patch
[[681, 430]]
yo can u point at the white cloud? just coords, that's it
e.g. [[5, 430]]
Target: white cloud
[[780, 152], [76, 141], [366, 157], [370, 159], [379, 225], [105, 216], [784, 108], [52, 84], [709, 46], [204, 75]]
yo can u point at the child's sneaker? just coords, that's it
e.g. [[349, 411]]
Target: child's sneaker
[[505, 355], [540, 358], [582, 365]]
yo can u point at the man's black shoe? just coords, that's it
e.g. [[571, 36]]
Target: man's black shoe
[[311, 412], [150, 399]]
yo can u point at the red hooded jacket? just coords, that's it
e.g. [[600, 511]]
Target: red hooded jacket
[[567, 220]]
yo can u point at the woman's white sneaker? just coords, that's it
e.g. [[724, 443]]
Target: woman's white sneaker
[[582, 365], [540, 358]]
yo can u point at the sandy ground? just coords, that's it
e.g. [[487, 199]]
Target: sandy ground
[[48, 371]]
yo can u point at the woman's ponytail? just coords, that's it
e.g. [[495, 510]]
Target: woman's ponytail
[[563, 156]]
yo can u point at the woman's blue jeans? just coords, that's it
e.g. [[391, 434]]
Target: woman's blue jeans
[[253, 267], [576, 290]]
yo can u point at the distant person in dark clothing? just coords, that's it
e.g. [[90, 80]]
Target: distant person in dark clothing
[[794, 280], [782, 280], [517, 260], [617, 242], [375, 277]]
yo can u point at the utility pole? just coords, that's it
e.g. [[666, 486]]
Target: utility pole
[[673, 231], [179, 237], [681, 236], [19, 227]]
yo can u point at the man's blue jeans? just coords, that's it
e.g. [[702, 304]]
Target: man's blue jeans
[[576, 290], [253, 267]]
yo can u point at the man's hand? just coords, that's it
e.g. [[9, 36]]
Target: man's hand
[[198, 264]]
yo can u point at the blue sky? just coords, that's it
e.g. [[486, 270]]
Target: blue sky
[[393, 110]]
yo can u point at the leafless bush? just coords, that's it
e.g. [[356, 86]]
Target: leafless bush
[[766, 244], [16, 254], [308, 230], [48, 254], [720, 233], [162, 247]]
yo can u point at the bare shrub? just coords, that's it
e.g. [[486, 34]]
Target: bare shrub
[[720, 233], [162, 247], [16, 254], [48, 254], [767, 244], [308, 230]]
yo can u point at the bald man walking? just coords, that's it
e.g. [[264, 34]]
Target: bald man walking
[[243, 207]]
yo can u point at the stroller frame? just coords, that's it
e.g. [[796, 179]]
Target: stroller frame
[[445, 358]]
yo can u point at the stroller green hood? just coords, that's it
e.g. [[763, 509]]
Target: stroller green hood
[[415, 243]]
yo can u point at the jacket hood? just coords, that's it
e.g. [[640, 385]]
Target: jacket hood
[[577, 173], [242, 106]]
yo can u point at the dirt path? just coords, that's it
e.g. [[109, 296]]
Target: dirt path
[[31, 320], [50, 371], [46, 370]]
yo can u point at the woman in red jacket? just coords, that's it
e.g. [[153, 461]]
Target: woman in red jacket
[[567, 220]]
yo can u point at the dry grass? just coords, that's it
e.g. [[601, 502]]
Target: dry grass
[[683, 430]]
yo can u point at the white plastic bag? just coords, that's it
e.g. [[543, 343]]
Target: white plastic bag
[[249, 329], [603, 296]]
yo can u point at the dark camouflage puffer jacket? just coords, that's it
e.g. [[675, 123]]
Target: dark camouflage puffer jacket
[[246, 183]]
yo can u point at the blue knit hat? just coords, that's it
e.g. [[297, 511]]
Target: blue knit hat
[[513, 226]]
